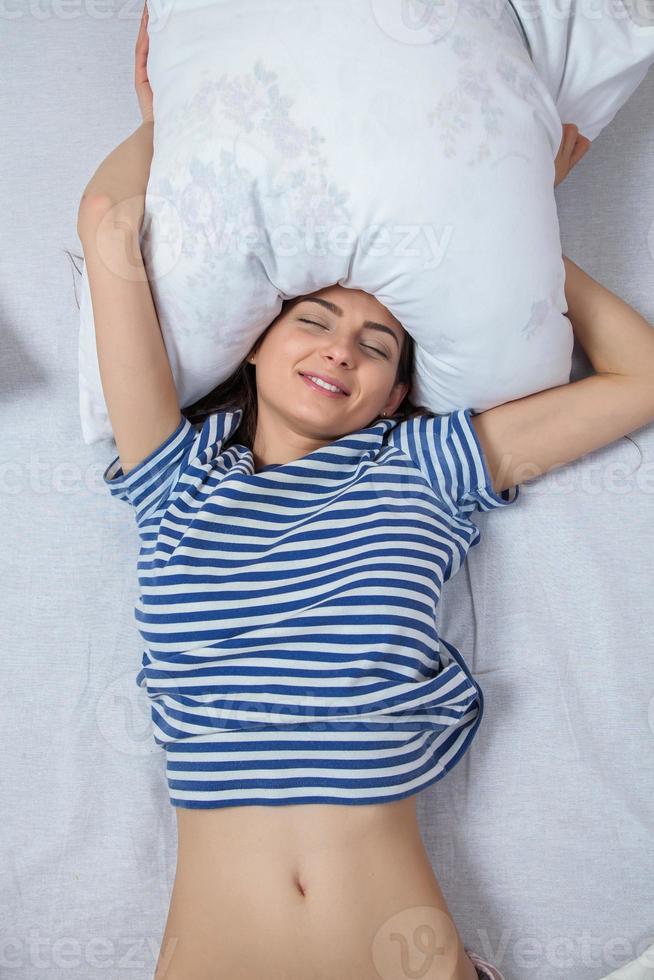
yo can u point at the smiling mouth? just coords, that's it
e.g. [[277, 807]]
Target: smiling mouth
[[319, 387]]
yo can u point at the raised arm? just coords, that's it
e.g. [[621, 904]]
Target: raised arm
[[137, 380], [528, 436]]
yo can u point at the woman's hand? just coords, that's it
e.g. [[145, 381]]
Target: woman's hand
[[573, 147], [141, 81]]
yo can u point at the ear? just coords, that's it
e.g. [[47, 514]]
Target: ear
[[400, 391]]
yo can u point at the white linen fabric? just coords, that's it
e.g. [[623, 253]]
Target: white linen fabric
[[542, 837], [298, 145], [591, 54]]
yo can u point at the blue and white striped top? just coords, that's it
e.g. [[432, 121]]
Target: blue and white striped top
[[289, 615]]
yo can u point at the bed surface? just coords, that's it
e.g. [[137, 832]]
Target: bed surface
[[542, 836]]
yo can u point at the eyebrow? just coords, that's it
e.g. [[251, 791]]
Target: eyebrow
[[333, 308]]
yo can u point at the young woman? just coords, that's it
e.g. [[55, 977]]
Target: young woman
[[292, 555]]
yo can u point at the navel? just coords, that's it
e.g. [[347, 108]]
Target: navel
[[299, 884]]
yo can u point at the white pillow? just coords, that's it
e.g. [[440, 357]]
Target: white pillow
[[274, 119], [591, 54]]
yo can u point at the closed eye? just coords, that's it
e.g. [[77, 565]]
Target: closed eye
[[323, 327]]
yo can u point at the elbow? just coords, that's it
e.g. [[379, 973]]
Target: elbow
[[92, 209]]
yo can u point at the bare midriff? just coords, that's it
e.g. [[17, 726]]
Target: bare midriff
[[307, 892]]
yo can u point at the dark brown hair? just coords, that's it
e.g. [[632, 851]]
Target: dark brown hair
[[239, 390]]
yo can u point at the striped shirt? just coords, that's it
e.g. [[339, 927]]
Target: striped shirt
[[288, 616]]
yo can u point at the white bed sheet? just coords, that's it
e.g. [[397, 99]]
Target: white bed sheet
[[542, 837]]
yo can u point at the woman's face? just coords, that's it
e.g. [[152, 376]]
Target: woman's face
[[340, 333]]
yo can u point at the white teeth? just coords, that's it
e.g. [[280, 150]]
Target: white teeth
[[323, 384]]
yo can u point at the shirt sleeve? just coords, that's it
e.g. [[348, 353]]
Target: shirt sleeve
[[447, 451], [152, 485]]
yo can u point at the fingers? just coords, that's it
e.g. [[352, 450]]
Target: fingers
[[570, 133], [582, 146], [142, 49], [567, 143], [141, 79], [573, 145], [143, 36]]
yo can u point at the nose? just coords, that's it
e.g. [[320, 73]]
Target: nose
[[340, 350]]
